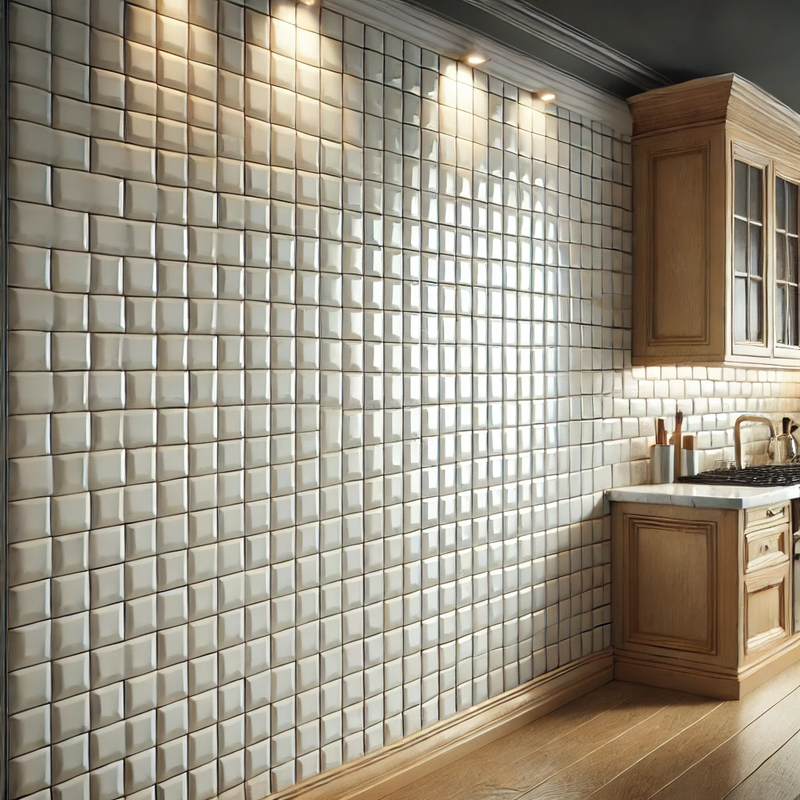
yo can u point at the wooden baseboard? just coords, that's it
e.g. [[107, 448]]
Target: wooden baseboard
[[637, 668], [698, 678], [394, 766], [767, 669]]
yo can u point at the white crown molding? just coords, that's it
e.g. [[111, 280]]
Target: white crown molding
[[524, 16], [433, 33]]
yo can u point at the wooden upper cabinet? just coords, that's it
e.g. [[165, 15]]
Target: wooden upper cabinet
[[716, 171]]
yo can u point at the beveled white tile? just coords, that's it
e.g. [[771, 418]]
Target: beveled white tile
[[29, 773], [172, 35], [37, 225], [31, 687], [30, 66]]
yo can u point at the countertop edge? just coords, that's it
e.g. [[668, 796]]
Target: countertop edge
[[731, 499]]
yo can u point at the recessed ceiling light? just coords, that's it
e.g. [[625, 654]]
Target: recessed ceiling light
[[308, 2], [546, 96], [475, 59]]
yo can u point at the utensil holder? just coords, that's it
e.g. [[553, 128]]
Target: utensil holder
[[690, 462], [662, 458]]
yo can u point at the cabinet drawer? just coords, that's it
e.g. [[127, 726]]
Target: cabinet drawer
[[766, 515], [766, 547]]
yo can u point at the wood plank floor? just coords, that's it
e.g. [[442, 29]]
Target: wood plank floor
[[624, 741]]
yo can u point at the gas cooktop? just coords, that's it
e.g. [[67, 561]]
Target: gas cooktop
[[762, 475]]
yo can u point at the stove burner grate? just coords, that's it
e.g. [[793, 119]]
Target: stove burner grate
[[763, 475]]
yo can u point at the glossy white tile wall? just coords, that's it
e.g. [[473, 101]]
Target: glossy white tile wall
[[317, 374]]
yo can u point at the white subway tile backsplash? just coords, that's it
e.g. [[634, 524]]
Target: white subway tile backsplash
[[290, 410]]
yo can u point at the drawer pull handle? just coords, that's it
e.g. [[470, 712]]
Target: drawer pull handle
[[764, 548], [771, 512]]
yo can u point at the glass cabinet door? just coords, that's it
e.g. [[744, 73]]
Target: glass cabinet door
[[787, 331], [748, 253]]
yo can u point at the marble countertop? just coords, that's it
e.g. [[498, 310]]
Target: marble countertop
[[698, 495]]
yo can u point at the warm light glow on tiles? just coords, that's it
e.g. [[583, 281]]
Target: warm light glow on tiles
[[475, 59]]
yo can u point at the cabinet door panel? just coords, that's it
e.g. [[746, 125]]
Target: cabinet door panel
[[671, 584], [766, 610], [681, 193], [680, 247]]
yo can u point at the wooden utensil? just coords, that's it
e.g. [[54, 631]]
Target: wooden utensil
[[661, 432], [678, 442]]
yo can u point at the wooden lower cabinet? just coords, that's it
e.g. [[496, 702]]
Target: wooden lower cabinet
[[702, 598]]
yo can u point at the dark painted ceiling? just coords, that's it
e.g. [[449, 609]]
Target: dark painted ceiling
[[679, 39]]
